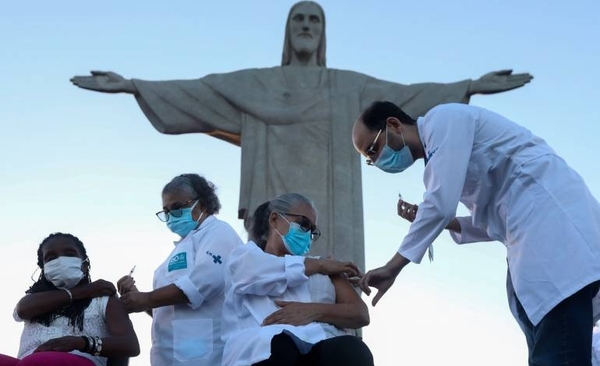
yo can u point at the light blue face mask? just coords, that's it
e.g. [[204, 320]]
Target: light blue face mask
[[391, 161], [296, 241], [183, 224]]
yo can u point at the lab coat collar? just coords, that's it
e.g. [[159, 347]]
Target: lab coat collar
[[420, 122]]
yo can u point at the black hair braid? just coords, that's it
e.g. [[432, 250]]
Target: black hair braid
[[74, 311], [259, 231]]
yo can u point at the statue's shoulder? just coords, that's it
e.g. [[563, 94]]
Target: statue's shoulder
[[347, 73], [350, 80], [271, 75], [242, 72], [277, 70], [240, 76]]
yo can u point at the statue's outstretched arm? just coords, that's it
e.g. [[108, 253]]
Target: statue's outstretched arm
[[105, 82], [498, 81]]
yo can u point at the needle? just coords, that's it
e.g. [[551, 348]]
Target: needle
[[400, 197]]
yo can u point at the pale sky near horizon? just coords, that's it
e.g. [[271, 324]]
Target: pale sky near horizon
[[91, 164]]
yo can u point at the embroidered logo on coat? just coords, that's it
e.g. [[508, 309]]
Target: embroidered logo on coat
[[178, 261], [216, 258], [431, 152]]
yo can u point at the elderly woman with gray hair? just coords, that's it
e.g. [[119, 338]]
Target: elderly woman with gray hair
[[283, 308], [187, 298]]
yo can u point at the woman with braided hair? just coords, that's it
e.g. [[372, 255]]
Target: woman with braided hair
[[70, 319]]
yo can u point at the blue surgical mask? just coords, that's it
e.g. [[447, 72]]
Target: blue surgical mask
[[183, 224], [391, 161], [296, 241]]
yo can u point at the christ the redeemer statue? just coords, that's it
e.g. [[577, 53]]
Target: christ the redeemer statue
[[293, 123]]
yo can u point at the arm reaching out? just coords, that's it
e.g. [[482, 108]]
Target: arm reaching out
[[498, 81], [36, 304], [136, 301], [409, 212], [105, 82], [330, 267], [383, 278]]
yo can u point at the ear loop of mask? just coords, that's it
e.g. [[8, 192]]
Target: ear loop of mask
[[401, 135], [403, 142], [289, 224], [33, 274], [192, 210]]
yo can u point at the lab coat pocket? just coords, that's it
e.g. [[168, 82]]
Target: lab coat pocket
[[193, 339]]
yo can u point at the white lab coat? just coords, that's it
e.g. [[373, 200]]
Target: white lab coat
[[254, 280], [518, 192], [190, 334]]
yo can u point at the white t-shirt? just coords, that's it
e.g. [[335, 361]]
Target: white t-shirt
[[94, 325]]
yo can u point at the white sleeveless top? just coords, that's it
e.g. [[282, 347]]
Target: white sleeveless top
[[94, 325]]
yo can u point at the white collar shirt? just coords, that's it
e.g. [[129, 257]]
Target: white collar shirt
[[519, 192]]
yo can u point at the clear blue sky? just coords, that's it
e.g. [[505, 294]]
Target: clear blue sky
[[91, 164]]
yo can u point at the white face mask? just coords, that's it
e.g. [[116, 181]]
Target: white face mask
[[64, 272]]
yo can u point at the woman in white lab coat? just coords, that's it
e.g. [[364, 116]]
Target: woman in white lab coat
[[187, 298], [282, 308]]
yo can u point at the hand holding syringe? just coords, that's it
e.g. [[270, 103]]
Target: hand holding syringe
[[127, 284], [406, 210]]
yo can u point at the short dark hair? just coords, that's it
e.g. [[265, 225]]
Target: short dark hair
[[375, 115], [199, 187]]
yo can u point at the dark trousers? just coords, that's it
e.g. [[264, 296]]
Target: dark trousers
[[564, 336], [337, 351]]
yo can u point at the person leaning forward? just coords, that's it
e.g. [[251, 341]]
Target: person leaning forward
[[519, 192]]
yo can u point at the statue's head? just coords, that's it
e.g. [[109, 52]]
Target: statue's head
[[305, 32]]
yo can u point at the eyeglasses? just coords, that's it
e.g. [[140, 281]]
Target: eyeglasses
[[371, 150], [306, 225], [176, 210]]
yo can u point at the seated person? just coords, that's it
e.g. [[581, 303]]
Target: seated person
[[70, 320], [284, 309]]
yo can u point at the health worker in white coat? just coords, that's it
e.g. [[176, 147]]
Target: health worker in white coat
[[188, 293], [519, 192], [284, 309]]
